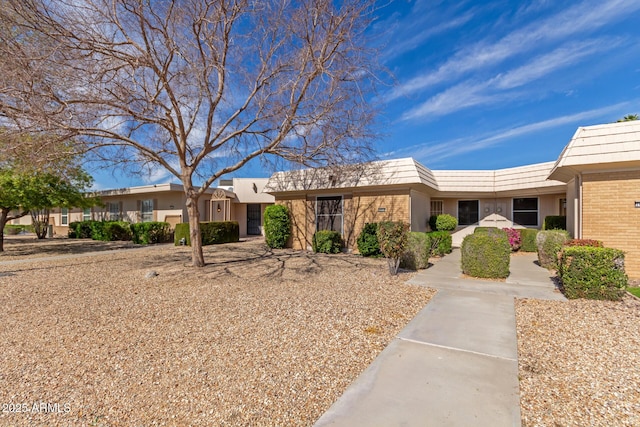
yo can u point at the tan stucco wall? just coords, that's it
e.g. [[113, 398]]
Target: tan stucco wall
[[608, 213], [420, 211]]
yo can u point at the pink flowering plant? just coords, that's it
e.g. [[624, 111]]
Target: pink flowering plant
[[514, 238]]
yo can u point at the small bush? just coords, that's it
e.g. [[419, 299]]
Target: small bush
[[80, 229], [513, 235], [147, 233], [593, 272], [441, 243], [584, 242], [368, 244], [432, 222], [486, 255], [116, 230], [277, 226], [416, 256], [211, 232], [97, 230], [12, 230], [327, 242], [549, 244], [446, 222], [528, 240], [485, 229], [555, 222], [214, 233], [182, 232], [393, 238]]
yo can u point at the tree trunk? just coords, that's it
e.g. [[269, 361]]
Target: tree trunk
[[194, 231], [40, 219], [3, 222]]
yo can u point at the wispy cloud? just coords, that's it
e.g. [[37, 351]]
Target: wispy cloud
[[583, 17], [456, 147], [470, 93]]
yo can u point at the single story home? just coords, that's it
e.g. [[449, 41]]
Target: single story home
[[595, 182], [239, 199]]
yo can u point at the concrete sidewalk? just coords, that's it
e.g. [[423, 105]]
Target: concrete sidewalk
[[456, 362]]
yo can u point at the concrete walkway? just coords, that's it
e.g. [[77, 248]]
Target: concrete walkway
[[456, 362]]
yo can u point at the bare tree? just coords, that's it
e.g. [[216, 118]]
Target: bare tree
[[197, 87]]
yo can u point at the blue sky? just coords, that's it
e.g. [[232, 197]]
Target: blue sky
[[493, 84]]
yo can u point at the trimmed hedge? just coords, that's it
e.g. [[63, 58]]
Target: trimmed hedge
[[441, 243], [15, 229], [145, 233], [584, 242], [368, 244], [212, 233], [116, 230], [549, 244], [528, 240], [277, 226], [485, 229], [80, 230], [593, 272], [486, 255], [446, 222], [416, 255], [327, 242], [555, 222]]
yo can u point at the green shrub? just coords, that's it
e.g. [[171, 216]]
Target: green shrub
[[182, 232], [528, 240], [12, 229], [219, 232], [584, 242], [277, 226], [555, 222], [416, 255], [446, 222], [116, 230], [212, 233], [549, 244], [97, 230], [152, 232], [368, 240], [593, 272], [485, 229], [81, 229], [440, 242], [393, 238], [327, 242], [432, 222], [486, 255]]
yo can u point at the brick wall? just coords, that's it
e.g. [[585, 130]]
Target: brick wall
[[608, 213]]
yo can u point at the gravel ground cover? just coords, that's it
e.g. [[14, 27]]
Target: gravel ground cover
[[254, 338], [29, 246], [579, 362]]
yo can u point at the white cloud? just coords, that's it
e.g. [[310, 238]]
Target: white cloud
[[582, 17]]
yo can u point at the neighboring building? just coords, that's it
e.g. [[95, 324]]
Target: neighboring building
[[242, 200]]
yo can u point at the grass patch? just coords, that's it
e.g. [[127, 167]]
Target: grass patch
[[634, 291]]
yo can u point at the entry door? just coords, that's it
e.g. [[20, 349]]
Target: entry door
[[253, 219]]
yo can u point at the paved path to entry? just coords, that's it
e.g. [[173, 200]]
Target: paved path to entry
[[456, 362]]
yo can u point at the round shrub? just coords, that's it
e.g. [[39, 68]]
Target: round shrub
[[549, 244], [277, 226], [441, 243], [327, 242], [116, 230], [486, 255], [368, 244], [416, 256], [446, 222], [393, 238]]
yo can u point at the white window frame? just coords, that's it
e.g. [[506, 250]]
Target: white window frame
[[113, 211], [64, 216], [148, 215], [328, 197], [86, 214], [537, 211]]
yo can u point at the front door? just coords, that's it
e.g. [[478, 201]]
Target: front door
[[253, 219]]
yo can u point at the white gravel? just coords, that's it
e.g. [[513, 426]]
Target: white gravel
[[255, 338]]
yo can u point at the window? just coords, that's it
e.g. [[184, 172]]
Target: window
[[468, 212], [64, 216], [525, 211], [146, 212], [114, 211], [86, 214], [436, 207], [329, 213]]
